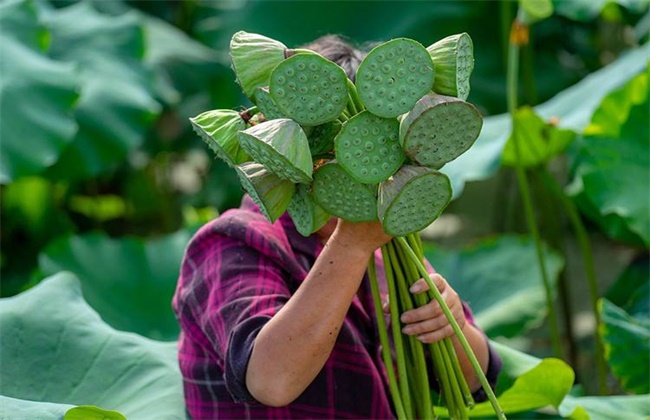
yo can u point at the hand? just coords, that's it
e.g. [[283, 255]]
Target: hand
[[364, 236], [429, 322]]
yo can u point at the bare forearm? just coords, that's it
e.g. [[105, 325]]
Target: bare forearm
[[479, 345], [294, 345]]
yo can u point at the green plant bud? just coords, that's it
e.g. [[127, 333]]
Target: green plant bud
[[218, 128], [282, 147], [453, 57], [271, 193], [306, 213], [439, 129], [412, 199], [340, 195], [253, 58]]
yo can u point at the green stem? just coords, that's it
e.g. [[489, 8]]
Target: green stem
[[462, 382], [456, 392], [425, 403], [383, 340], [452, 321], [397, 334], [590, 272], [512, 76]]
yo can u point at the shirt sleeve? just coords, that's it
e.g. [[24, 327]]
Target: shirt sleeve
[[235, 291]]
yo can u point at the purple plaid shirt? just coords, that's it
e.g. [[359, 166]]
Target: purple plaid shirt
[[238, 271]]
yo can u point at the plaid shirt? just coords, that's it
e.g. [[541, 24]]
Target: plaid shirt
[[238, 271]]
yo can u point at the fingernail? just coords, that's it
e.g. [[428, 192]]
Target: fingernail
[[415, 288]]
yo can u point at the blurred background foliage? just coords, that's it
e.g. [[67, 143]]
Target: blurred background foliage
[[101, 174]]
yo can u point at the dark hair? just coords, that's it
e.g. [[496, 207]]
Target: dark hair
[[335, 48]]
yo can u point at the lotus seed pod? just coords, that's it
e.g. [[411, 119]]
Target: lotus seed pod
[[393, 76], [453, 57], [253, 57], [309, 89], [321, 138], [412, 199], [271, 193], [307, 215], [267, 105], [368, 147], [218, 128], [340, 195], [282, 147], [439, 129]]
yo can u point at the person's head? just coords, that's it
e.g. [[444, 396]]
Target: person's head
[[335, 48]]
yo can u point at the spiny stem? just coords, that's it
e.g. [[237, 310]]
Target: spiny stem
[[383, 340], [452, 321], [590, 272], [426, 405], [397, 333], [518, 34]]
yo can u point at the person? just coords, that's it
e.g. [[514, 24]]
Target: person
[[277, 325]]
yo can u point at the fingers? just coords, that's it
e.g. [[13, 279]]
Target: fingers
[[422, 286], [428, 322]]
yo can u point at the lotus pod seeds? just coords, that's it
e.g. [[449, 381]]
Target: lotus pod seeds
[[368, 147], [412, 199], [309, 89], [453, 57], [218, 129], [321, 138], [340, 195], [271, 193], [394, 76], [253, 58], [267, 105], [439, 129], [282, 147], [307, 215]]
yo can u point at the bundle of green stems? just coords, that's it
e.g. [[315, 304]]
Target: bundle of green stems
[[408, 377]]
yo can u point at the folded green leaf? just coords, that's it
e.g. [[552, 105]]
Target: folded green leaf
[[539, 141]]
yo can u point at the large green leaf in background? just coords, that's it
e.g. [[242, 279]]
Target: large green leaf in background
[[589, 9], [129, 281], [37, 95], [117, 104], [573, 107], [499, 279], [626, 340], [56, 349], [539, 141], [631, 290], [611, 179], [615, 407]]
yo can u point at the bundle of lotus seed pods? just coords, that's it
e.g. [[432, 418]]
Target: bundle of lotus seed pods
[[317, 145]]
